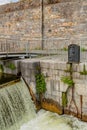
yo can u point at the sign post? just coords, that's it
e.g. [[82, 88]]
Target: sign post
[[73, 53], [73, 57]]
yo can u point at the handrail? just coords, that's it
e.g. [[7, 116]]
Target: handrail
[[59, 45]]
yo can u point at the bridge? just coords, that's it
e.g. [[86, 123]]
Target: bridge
[[16, 48]]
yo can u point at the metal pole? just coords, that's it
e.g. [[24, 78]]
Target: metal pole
[[42, 28], [6, 48]]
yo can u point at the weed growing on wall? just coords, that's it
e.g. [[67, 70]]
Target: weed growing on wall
[[11, 66], [40, 84], [67, 80], [83, 49], [64, 99], [1, 68]]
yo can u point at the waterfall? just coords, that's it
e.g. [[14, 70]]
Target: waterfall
[[16, 106]]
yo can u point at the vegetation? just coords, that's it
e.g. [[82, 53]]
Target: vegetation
[[1, 68], [64, 99], [67, 80], [84, 72], [40, 84], [11, 66], [64, 49], [83, 49], [70, 83]]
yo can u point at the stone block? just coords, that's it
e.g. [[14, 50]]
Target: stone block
[[81, 66], [84, 105], [56, 98], [57, 78], [44, 72], [44, 64], [55, 93], [48, 87], [79, 81], [33, 64], [56, 72], [84, 111], [30, 64], [26, 72], [33, 79], [77, 99], [63, 87], [23, 64], [69, 96], [61, 65], [56, 85], [75, 67], [62, 73], [81, 89], [51, 64], [76, 75], [49, 72], [48, 95]]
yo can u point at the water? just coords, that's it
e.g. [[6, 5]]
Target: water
[[4, 78], [50, 121], [16, 106], [17, 112]]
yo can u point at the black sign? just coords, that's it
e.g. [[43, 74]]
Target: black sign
[[73, 53]]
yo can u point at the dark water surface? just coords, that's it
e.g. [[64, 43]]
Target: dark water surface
[[4, 78]]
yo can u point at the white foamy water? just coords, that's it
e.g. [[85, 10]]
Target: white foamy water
[[17, 108], [50, 121]]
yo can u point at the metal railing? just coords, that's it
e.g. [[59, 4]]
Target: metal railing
[[57, 46]]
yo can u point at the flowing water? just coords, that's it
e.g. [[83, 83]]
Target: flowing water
[[50, 121], [17, 112], [16, 106]]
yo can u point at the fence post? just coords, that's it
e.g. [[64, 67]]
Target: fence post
[[6, 48]]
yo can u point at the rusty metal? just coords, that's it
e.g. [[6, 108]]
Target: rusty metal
[[81, 102]]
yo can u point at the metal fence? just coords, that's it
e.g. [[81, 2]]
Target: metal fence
[[57, 47]]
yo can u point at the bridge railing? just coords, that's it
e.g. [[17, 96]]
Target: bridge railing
[[56, 46]]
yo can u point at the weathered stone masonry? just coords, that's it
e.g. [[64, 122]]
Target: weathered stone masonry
[[65, 22], [53, 70]]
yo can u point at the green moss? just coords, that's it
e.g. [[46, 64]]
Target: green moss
[[64, 49], [11, 66], [83, 49], [67, 80], [64, 99], [1, 68]]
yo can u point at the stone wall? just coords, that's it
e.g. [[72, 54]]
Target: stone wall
[[64, 23], [53, 70], [20, 25]]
